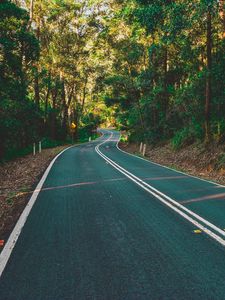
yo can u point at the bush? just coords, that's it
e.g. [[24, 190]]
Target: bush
[[182, 138], [50, 143], [20, 126]]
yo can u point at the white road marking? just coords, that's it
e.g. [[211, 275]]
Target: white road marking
[[170, 199], [11, 242], [162, 166], [7, 250], [165, 199]]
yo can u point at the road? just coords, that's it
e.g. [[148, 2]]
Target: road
[[109, 225]]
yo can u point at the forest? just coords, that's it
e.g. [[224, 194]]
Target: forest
[[153, 68]]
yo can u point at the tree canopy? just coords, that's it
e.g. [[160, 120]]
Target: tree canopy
[[154, 68]]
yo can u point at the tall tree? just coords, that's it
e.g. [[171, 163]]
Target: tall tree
[[19, 49]]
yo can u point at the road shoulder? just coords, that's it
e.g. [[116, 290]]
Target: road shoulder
[[18, 180], [191, 160]]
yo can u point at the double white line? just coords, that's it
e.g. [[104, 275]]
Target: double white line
[[201, 223]]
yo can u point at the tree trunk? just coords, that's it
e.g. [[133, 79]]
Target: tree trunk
[[53, 114], [208, 76], [31, 13], [64, 109], [46, 97], [84, 94], [141, 116], [67, 97], [36, 77], [222, 14], [36, 88], [166, 100], [75, 118]]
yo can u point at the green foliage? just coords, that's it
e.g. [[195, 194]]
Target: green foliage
[[90, 122], [149, 16], [182, 138], [47, 72], [47, 142], [139, 65], [161, 94], [20, 119]]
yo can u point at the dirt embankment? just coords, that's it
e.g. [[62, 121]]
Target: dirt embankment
[[18, 179], [207, 163]]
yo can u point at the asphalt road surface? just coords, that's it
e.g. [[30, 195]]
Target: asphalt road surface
[[109, 225]]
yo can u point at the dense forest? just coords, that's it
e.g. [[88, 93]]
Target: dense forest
[[153, 68]]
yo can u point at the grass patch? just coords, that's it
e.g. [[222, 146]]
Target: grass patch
[[10, 198]]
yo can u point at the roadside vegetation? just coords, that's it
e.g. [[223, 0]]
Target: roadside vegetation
[[153, 68], [47, 74], [168, 79]]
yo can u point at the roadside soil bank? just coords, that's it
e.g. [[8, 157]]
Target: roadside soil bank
[[194, 159], [18, 179]]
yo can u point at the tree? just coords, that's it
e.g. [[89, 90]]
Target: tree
[[19, 49]]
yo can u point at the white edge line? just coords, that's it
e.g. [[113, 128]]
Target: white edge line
[[157, 164], [141, 183], [11, 242], [167, 197], [194, 222]]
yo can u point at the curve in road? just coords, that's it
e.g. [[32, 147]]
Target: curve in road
[[95, 233]]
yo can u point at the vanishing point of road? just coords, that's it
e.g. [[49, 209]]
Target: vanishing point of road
[[109, 225]]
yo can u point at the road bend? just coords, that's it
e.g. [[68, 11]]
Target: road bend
[[109, 225]]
